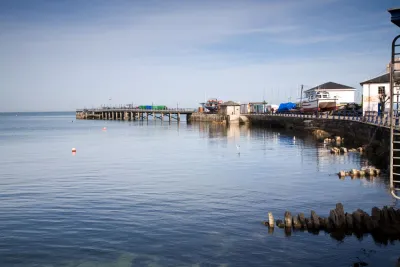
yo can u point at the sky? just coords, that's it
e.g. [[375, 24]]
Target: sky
[[69, 54]]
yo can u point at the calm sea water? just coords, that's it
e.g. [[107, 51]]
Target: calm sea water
[[152, 194]]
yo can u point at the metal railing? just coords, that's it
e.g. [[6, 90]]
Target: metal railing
[[369, 117]]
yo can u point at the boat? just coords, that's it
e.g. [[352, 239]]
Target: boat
[[319, 101], [212, 104]]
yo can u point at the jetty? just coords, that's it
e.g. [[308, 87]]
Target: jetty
[[133, 114]]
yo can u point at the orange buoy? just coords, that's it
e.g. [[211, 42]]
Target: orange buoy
[[74, 150], [104, 128]]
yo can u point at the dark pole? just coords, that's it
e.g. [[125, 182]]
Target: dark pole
[[301, 96]]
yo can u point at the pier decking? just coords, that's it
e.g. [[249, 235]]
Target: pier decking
[[133, 114]]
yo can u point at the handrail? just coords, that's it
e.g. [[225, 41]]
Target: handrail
[[374, 118]]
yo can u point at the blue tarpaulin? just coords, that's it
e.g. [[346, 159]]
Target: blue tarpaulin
[[286, 106]]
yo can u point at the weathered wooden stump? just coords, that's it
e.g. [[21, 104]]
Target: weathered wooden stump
[[322, 223], [302, 220], [349, 220], [308, 223], [337, 217], [271, 220], [314, 220], [357, 222], [296, 223], [288, 219]]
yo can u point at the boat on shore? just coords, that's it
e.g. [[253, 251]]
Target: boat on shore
[[212, 105], [319, 101]]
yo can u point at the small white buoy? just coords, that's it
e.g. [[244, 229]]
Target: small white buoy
[[294, 138], [73, 149]]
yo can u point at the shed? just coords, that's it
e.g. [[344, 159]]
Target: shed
[[230, 108]]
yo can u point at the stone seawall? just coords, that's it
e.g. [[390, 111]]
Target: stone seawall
[[375, 138], [204, 117]]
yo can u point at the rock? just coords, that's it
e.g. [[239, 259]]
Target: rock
[[314, 220], [377, 172], [349, 220], [271, 220], [352, 150], [265, 223], [280, 223], [296, 223], [342, 174], [335, 150], [343, 150], [337, 139], [354, 172], [370, 172], [288, 219], [360, 150], [302, 220], [357, 222], [361, 173]]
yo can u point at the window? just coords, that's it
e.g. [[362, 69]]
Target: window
[[381, 90]]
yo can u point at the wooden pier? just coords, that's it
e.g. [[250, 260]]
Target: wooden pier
[[132, 114]]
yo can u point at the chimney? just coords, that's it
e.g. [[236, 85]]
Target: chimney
[[396, 65]]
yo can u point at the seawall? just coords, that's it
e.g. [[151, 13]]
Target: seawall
[[204, 117], [375, 138]]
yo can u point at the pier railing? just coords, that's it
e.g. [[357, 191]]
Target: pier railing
[[369, 117], [120, 109]]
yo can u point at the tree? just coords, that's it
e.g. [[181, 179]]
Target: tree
[[383, 98]]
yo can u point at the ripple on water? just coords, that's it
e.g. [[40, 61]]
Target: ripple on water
[[169, 195]]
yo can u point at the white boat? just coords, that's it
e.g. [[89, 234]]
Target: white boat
[[319, 101]]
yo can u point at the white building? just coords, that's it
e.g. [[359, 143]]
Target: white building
[[231, 110], [372, 90], [343, 93]]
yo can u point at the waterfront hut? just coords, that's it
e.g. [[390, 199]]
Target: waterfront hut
[[230, 108], [258, 107]]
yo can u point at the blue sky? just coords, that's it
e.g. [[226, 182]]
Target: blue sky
[[68, 54]]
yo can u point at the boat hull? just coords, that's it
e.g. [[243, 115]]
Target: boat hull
[[320, 105]]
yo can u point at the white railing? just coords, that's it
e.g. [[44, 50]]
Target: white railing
[[371, 118]]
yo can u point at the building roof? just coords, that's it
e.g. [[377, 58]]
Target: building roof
[[385, 78], [395, 13], [230, 103], [330, 86]]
